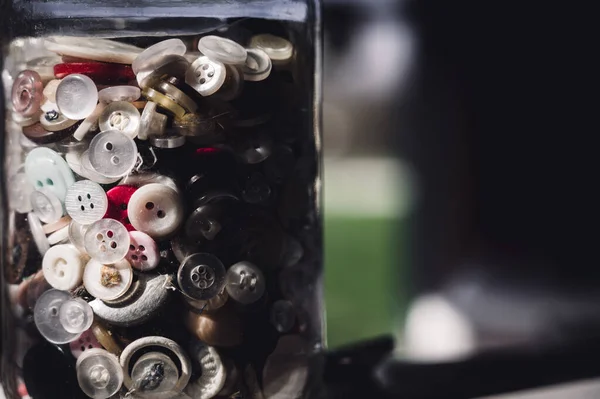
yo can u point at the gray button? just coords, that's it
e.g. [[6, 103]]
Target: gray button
[[201, 276]]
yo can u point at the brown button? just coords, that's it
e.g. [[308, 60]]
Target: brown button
[[222, 328], [106, 338]]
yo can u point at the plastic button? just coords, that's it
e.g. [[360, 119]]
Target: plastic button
[[106, 241], [93, 49], [99, 374], [256, 190], [121, 116], [27, 93], [53, 121], [37, 232], [167, 141], [119, 93], [156, 210], [152, 123], [59, 237], [213, 374], [46, 316], [203, 223], [107, 282], [63, 267], [154, 373], [206, 76], [89, 122], [76, 235], [258, 65], [46, 169], [143, 251], [112, 153], [245, 283], [76, 96], [118, 201], [86, 202], [76, 316], [222, 50], [85, 342], [19, 191], [46, 205], [158, 50], [277, 48], [164, 102], [201, 276]]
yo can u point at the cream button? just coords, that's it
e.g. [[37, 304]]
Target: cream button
[[86, 202], [167, 141], [112, 153], [76, 316], [62, 266], [277, 48], [245, 283], [47, 169], [106, 241], [258, 65], [206, 76], [46, 205], [93, 49], [107, 282], [119, 93], [201, 276], [99, 374], [152, 122], [37, 232], [59, 236], [121, 116], [76, 96], [222, 50], [46, 316], [158, 50], [143, 252], [156, 210]]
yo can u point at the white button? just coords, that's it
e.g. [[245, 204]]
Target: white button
[[19, 191], [245, 283], [86, 202], [258, 65], [119, 93], [46, 205], [59, 236], [93, 49], [222, 50], [143, 252], [37, 232], [76, 96], [76, 315], [89, 122], [121, 116], [234, 83], [152, 122], [59, 224], [106, 241], [89, 172], [50, 90], [62, 266], [46, 169], [201, 276], [112, 153], [107, 282], [206, 76], [77, 234], [278, 48], [54, 121], [158, 50], [99, 374], [154, 374], [156, 210], [46, 316]]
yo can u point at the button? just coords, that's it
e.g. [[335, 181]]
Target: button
[[37, 232], [277, 48], [167, 141], [152, 122], [19, 191], [105, 337], [254, 149], [76, 315], [47, 319], [77, 234], [53, 121], [97, 71], [204, 223], [282, 316], [85, 342], [178, 96], [118, 200], [93, 49], [245, 283], [154, 373], [156, 210], [222, 50], [161, 68], [27, 93], [70, 145], [212, 372], [76, 96], [89, 122], [201, 276], [143, 251], [44, 66], [99, 374], [164, 102], [39, 135], [46, 205], [258, 65], [233, 85], [222, 328], [59, 237], [112, 153], [106, 241], [50, 90], [90, 173], [107, 282], [206, 76], [119, 93], [62, 266], [55, 226], [86, 202], [158, 50], [121, 116]]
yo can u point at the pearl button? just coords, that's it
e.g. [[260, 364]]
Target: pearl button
[[76, 96], [76, 315], [106, 241], [119, 93], [121, 116], [143, 251], [152, 123], [206, 76], [158, 50], [156, 210], [27, 93], [46, 205], [107, 281]]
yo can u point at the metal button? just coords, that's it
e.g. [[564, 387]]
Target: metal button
[[119, 93], [106, 241], [213, 373], [46, 205], [177, 95], [37, 232], [99, 373], [201, 276], [233, 85], [62, 266], [167, 141], [156, 210], [76, 96], [282, 316], [245, 283], [164, 102], [112, 153], [154, 373], [59, 237], [258, 65], [93, 49], [278, 49], [47, 169], [107, 281], [143, 251], [47, 318], [27, 93], [89, 123], [86, 202], [76, 315], [118, 200], [85, 342], [158, 50], [222, 50], [86, 170], [206, 76], [152, 122], [121, 116]]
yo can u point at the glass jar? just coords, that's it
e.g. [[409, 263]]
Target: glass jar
[[161, 228]]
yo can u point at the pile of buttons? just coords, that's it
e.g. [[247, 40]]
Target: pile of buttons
[[153, 187]]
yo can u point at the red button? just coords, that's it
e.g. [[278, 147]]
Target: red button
[[100, 72], [118, 199]]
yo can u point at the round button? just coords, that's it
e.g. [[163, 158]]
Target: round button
[[253, 150], [76, 315], [86, 202], [177, 95], [201, 276], [164, 102], [121, 116], [204, 222], [206, 76], [245, 283], [19, 192], [158, 50], [156, 210], [154, 373], [213, 374], [85, 342], [97, 71], [258, 65], [77, 234], [222, 50], [89, 172], [50, 90], [53, 121], [46, 205], [112, 153], [93, 49], [119, 93], [88, 123], [107, 282], [143, 252], [277, 48], [37, 232], [27, 93], [47, 169], [167, 141], [46, 316], [99, 373], [106, 241], [152, 122], [283, 316], [118, 200], [62, 266], [76, 96], [105, 338]]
